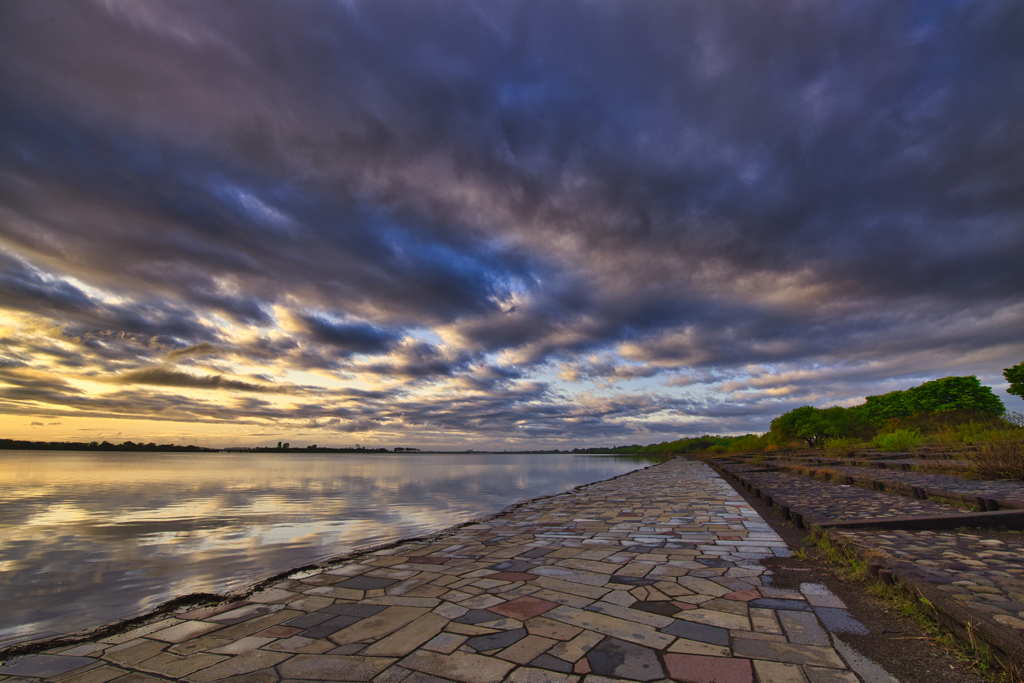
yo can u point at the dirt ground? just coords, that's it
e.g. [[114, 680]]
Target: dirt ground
[[895, 643]]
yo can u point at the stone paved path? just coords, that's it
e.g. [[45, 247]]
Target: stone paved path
[[821, 501], [652, 576]]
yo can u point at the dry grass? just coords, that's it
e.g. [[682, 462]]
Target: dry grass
[[999, 456]]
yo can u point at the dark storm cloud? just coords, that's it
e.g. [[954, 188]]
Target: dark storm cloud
[[169, 377], [348, 337], [634, 192]]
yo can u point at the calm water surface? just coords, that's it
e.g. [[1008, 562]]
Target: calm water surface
[[90, 538]]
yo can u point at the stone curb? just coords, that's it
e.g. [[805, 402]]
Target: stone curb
[[984, 520], [980, 503]]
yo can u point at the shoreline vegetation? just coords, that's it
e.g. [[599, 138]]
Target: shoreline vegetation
[[955, 415]]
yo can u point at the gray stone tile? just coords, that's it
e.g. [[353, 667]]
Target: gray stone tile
[[614, 657]]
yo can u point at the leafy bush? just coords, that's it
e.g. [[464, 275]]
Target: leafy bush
[[898, 442]]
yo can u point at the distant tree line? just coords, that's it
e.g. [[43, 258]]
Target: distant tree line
[[14, 444], [313, 448]]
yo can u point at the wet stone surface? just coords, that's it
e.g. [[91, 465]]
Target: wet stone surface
[[653, 576]]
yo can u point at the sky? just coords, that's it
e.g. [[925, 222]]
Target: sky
[[499, 225]]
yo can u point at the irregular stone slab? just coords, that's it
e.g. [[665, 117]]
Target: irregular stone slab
[[334, 667], [242, 613], [408, 638], [458, 666], [703, 586], [326, 628], [134, 651], [548, 628], [524, 608], [840, 621], [792, 653], [530, 675], [818, 595], [698, 669], [631, 580], [664, 608], [496, 641], [242, 664], [552, 664], [44, 666], [519, 566], [388, 621], [309, 620], [183, 631], [867, 669], [611, 626], [803, 627], [477, 616], [704, 633], [695, 647], [527, 649], [572, 588], [445, 643], [350, 610], [726, 620], [614, 657], [819, 675], [576, 648], [777, 672], [365, 583], [776, 603], [638, 616]]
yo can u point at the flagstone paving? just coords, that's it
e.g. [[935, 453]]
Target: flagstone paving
[[652, 576]]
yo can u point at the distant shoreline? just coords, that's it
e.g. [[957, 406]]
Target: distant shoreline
[[130, 447]]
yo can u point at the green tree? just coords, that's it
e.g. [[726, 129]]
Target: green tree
[[1015, 376], [784, 427], [879, 409], [955, 393], [937, 396]]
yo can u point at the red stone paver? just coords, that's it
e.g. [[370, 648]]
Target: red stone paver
[[700, 669], [524, 608]]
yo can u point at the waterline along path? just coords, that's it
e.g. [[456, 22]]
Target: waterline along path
[[651, 576]]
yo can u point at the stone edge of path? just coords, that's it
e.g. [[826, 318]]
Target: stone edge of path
[[1007, 645], [200, 599], [980, 503]]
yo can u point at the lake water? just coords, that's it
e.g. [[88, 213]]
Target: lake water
[[91, 538]]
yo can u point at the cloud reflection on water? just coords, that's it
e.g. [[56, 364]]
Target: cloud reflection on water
[[87, 538]]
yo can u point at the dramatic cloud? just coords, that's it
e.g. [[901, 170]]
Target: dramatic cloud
[[506, 224]]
